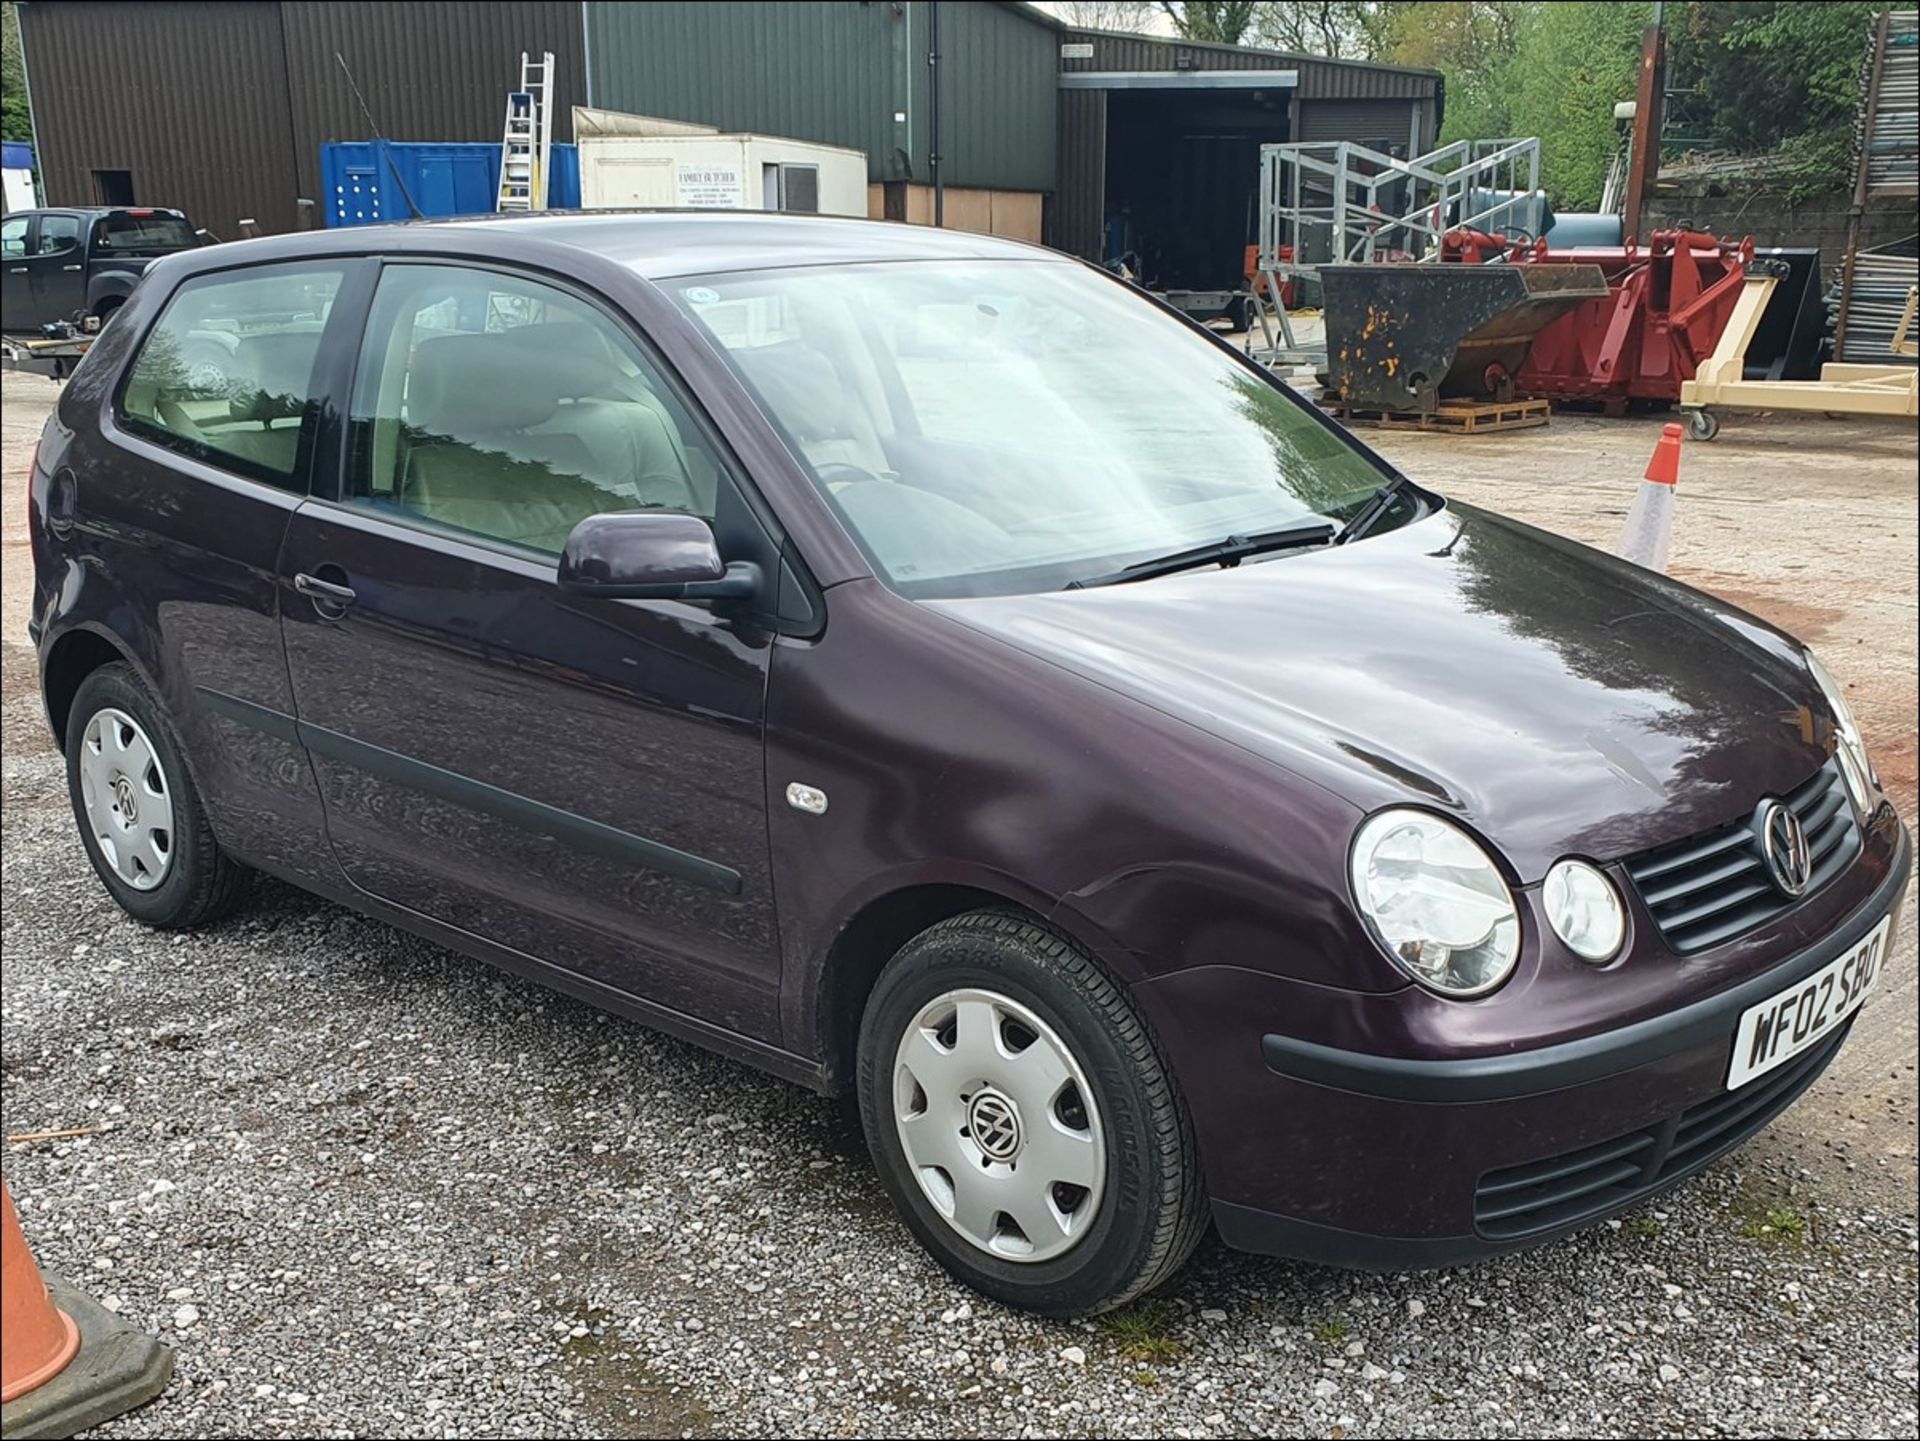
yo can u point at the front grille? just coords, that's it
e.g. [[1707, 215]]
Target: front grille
[[1710, 888], [1565, 1190]]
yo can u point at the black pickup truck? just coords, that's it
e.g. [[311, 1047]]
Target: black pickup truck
[[68, 264]]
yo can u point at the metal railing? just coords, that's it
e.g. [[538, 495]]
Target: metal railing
[[1338, 202]]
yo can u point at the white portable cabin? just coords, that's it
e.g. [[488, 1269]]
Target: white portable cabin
[[638, 160], [17, 169]]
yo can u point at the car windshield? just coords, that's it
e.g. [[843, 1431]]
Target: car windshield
[[128, 230], [996, 426]]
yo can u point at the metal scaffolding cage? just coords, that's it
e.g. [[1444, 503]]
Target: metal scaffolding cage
[[1336, 202]]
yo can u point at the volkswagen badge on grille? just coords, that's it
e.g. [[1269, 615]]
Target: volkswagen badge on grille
[[1784, 844]]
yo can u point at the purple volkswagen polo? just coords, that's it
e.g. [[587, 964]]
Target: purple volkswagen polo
[[918, 665]]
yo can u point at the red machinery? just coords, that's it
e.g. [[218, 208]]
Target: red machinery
[[1665, 308]]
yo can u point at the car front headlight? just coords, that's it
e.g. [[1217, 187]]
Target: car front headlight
[[1436, 903], [1585, 911], [1862, 783]]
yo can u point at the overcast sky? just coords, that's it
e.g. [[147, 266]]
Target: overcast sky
[[1140, 19]]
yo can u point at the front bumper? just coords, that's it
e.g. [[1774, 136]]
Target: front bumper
[[1355, 1159]]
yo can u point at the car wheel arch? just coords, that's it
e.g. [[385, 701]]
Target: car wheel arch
[[72, 657], [876, 929]]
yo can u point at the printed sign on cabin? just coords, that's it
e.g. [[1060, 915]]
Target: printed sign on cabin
[[710, 187]]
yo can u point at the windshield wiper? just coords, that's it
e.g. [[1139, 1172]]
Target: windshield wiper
[[1374, 507], [1229, 552]]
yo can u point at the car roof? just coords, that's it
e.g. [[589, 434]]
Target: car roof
[[659, 244], [99, 210]]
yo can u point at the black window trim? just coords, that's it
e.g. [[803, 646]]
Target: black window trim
[[331, 487], [314, 416]]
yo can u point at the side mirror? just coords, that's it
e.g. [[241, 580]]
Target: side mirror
[[651, 555]]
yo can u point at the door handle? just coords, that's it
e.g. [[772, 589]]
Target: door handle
[[69, 267], [328, 598], [16, 270]]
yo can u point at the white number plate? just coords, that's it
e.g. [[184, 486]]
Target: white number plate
[[1778, 1029]]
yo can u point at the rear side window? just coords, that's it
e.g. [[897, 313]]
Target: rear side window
[[226, 374]]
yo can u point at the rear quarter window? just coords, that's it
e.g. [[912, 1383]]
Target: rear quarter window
[[226, 374]]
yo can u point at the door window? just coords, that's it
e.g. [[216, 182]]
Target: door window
[[225, 376], [501, 407], [59, 233], [13, 236]]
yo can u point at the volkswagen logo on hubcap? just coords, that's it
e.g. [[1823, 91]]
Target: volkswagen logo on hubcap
[[995, 1125], [129, 807], [1784, 844]]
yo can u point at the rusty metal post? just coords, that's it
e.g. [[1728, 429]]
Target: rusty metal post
[[1648, 109]]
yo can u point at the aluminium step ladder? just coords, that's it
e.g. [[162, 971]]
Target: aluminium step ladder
[[526, 143]]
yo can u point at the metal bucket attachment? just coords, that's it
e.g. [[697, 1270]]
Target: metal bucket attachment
[[1406, 337], [1786, 346]]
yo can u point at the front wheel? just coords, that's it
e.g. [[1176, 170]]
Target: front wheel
[[1023, 1121], [1702, 424], [140, 818]]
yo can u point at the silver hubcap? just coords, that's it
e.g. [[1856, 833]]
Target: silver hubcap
[[123, 790], [999, 1125]]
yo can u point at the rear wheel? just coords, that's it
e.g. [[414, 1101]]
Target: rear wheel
[[1022, 1119], [140, 817]]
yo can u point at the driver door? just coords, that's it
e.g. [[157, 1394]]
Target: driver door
[[16, 287], [580, 780]]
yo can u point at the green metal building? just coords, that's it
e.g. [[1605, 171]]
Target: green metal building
[[1083, 139]]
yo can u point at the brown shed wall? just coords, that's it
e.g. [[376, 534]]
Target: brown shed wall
[[190, 98], [221, 109]]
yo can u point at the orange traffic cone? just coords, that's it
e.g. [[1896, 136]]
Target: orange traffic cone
[[66, 1362], [40, 1338], [1648, 533]]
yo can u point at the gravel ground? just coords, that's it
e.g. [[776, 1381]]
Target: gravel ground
[[367, 1187]]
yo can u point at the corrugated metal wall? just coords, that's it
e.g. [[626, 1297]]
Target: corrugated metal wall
[[1076, 215], [221, 109], [1337, 100], [436, 72], [997, 96], [1320, 78], [838, 72], [190, 98], [832, 73]]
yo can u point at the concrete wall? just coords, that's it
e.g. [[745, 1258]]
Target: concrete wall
[[1818, 221]]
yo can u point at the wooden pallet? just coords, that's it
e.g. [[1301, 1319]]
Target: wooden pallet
[[1459, 417]]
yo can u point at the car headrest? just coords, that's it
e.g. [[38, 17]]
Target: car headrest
[[463, 385], [801, 386], [272, 375], [587, 356]]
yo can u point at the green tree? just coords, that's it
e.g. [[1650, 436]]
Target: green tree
[[1224, 22], [1344, 29], [15, 122], [1761, 75]]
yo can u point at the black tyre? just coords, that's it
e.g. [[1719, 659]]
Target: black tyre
[[140, 818], [1022, 1119]]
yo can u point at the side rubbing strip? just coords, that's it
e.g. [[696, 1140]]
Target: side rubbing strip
[[589, 835], [279, 725]]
